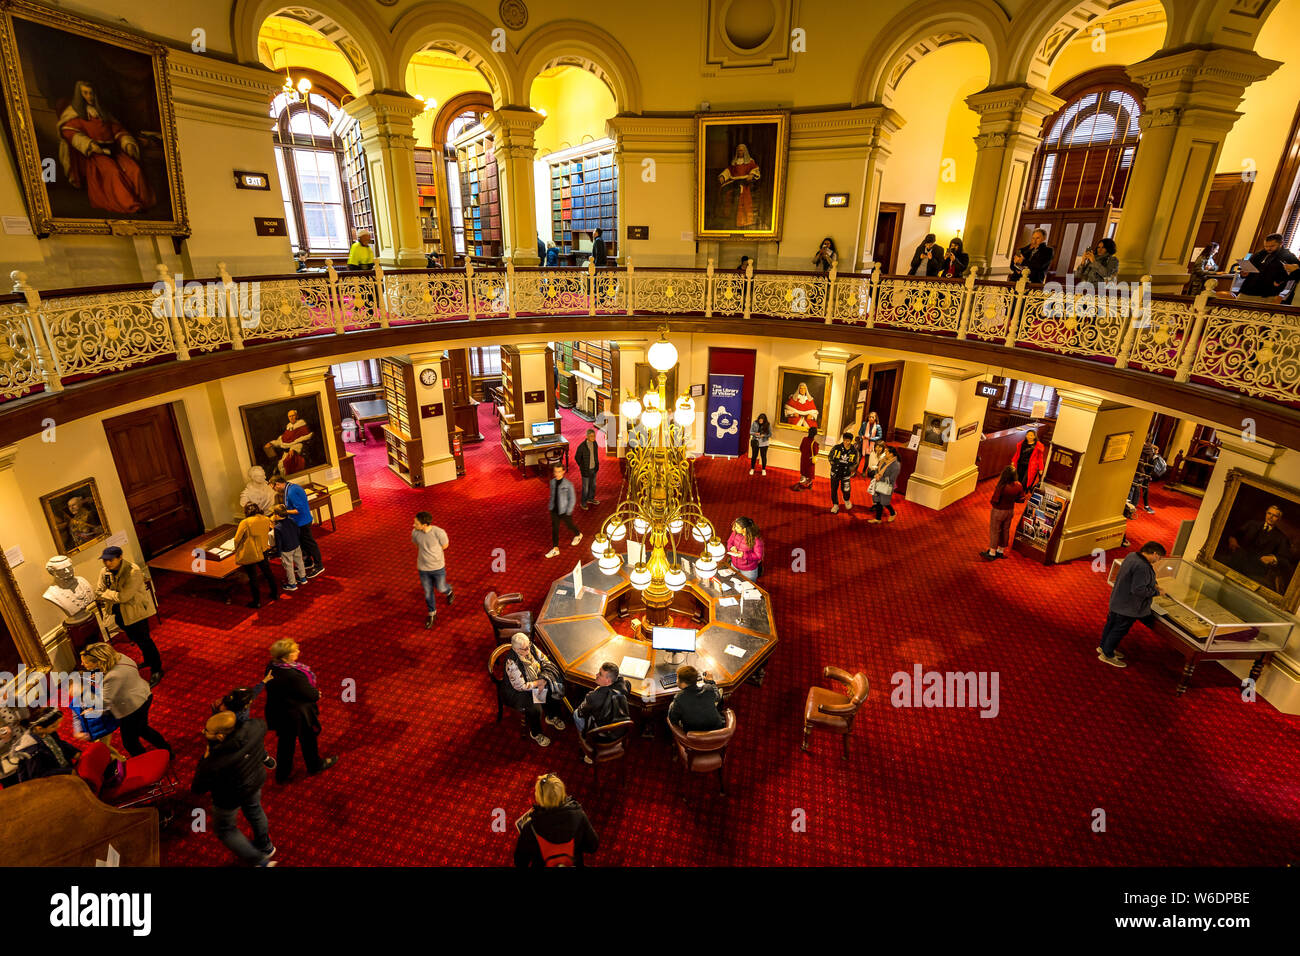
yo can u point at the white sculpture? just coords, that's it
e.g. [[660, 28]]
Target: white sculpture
[[257, 492], [70, 593]]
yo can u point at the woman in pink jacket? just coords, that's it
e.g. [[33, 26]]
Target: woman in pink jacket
[[745, 547]]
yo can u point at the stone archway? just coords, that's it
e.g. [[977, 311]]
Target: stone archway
[[350, 27]]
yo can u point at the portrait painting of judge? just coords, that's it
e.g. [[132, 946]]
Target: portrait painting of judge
[[1255, 536], [803, 398], [285, 436], [75, 516], [97, 142], [740, 160]]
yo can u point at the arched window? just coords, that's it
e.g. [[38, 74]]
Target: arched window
[[1087, 154], [1082, 167], [324, 186]]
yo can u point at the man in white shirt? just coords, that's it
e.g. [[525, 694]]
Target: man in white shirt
[[431, 542]]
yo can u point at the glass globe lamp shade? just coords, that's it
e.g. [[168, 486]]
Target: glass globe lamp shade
[[609, 562], [640, 577], [705, 567], [662, 355], [640, 525], [675, 526], [716, 549], [651, 418], [600, 544], [304, 86], [675, 579], [631, 408], [702, 532], [616, 530], [684, 414]]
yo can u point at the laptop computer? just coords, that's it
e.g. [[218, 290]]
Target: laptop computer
[[543, 433]]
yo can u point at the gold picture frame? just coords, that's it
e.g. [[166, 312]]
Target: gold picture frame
[[1115, 447], [809, 409], [75, 527], [740, 174], [92, 125], [1245, 500], [936, 430]]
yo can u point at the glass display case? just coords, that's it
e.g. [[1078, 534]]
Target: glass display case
[[1214, 613]]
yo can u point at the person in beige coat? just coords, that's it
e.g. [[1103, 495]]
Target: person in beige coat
[[121, 586], [252, 538], [126, 696]]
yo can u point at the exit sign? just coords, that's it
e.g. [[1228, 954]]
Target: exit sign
[[247, 180], [836, 199]]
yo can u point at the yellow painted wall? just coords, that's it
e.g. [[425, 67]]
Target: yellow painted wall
[[939, 127], [1117, 47], [293, 45], [439, 77], [1259, 136], [576, 104]]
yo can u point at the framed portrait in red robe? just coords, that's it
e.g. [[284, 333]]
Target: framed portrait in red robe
[[740, 169], [93, 131], [802, 395], [287, 436]]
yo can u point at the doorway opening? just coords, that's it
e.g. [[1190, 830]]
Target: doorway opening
[[889, 233]]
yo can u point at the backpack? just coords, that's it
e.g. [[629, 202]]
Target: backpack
[[555, 854], [1159, 466]]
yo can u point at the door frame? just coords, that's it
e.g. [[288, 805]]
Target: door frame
[[898, 367], [900, 209]]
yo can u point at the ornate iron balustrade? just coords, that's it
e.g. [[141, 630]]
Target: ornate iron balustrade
[[1237, 347]]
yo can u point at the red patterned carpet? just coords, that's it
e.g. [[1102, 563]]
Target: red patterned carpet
[[1201, 779]]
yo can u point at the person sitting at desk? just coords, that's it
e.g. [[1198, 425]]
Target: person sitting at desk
[[41, 752], [605, 704], [530, 687], [697, 707]]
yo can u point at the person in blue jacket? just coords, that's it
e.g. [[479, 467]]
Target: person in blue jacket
[[295, 503]]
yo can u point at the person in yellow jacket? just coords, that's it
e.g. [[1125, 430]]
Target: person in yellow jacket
[[252, 538], [361, 256]]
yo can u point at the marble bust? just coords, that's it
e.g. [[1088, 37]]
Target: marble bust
[[70, 593], [257, 492]]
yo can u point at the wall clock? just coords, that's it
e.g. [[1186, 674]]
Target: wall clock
[[429, 377]]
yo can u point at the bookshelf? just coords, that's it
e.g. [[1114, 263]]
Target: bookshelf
[[480, 195], [1038, 534], [574, 389], [584, 198], [426, 184], [402, 432]]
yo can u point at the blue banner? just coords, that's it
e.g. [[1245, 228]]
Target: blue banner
[[722, 416]]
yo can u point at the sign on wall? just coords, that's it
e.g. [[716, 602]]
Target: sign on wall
[[722, 420]]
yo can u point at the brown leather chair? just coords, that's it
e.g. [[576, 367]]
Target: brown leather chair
[[705, 751], [827, 710], [506, 622], [600, 751], [497, 674]]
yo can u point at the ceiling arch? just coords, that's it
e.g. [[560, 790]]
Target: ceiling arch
[[457, 30], [351, 27], [571, 43]]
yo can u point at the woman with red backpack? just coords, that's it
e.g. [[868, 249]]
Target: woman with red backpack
[[556, 831]]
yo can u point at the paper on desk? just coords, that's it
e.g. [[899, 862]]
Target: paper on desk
[[735, 651], [727, 602], [539, 695], [636, 667]]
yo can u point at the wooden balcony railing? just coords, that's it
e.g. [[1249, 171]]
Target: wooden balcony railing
[[47, 340]]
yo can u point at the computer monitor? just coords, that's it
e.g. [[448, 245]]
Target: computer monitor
[[542, 429], [674, 639]]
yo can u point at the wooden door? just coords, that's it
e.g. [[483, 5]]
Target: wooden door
[[1224, 208], [889, 234], [882, 398], [146, 448]]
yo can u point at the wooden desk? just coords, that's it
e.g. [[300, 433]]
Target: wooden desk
[[318, 498], [997, 449], [368, 413], [1194, 651], [181, 559], [524, 447]]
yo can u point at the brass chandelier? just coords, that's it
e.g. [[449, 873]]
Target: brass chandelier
[[660, 503]]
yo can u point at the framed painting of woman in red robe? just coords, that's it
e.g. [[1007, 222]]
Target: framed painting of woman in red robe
[[91, 122], [740, 166]]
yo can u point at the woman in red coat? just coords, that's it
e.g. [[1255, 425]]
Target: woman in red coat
[[1028, 460]]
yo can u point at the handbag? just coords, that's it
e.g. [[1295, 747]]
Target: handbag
[[554, 682]]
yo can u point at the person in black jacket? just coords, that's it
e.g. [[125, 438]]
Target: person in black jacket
[[604, 704], [1274, 267], [844, 459], [697, 706], [1035, 258], [955, 260], [587, 458], [292, 712], [929, 253], [598, 255], [556, 831], [232, 769], [41, 752]]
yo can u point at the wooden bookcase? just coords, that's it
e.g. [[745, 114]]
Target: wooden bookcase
[[480, 196], [584, 198], [402, 432], [426, 183]]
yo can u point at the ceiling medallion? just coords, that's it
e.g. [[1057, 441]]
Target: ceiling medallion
[[513, 13]]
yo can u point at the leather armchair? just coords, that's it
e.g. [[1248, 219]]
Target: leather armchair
[[600, 751], [497, 674], [506, 622], [826, 709], [705, 751]]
